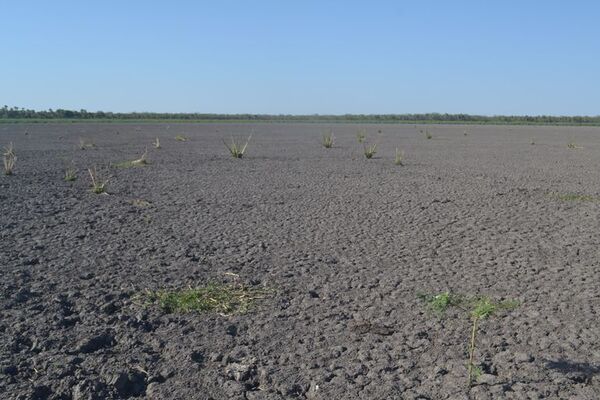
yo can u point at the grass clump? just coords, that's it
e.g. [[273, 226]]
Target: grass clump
[[328, 139], [236, 149], [573, 145], [181, 138], [361, 136], [83, 144], [10, 159], [428, 134], [576, 197], [478, 309], [140, 162], [98, 185], [398, 159], [224, 299], [156, 143], [369, 150], [70, 172]]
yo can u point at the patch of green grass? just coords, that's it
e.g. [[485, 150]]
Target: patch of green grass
[[236, 149], [439, 303], [10, 159], [328, 139], [218, 298], [576, 197]]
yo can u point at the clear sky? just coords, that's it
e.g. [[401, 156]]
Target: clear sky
[[302, 57]]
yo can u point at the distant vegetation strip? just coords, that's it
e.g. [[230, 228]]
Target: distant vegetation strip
[[14, 114]]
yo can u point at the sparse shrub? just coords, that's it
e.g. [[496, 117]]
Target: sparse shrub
[[181, 138], [361, 136], [98, 185], [10, 159], [573, 145], [369, 150], [156, 143], [328, 139], [235, 149], [479, 308], [398, 160]]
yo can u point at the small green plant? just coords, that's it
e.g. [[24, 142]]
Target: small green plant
[[428, 135], [328, 139], [398, 160], [235, 149], [156, 143], [224, 299], [478, 308], [361, 136], [369, 150], [70, 173], [98, 185], [10, 159], [181, 138]]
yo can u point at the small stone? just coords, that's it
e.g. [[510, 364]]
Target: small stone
[[521, 357]]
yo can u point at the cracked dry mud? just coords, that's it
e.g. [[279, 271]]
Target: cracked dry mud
[[345, 243]]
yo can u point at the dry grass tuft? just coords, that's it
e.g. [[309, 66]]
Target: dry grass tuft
[[10, 159]]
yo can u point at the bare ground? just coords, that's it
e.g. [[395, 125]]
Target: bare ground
[[346, 244]]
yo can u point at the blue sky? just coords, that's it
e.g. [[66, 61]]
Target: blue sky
[[302, 57]]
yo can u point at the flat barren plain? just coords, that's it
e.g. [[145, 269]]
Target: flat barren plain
[[345, 262]]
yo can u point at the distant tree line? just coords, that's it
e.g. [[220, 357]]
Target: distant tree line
[[24, 114]]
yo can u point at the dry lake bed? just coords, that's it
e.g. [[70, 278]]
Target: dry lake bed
[[337, 260]]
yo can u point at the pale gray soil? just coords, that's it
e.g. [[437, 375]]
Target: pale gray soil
[[345, 243]]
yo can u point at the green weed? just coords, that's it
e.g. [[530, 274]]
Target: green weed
[[478, 308]]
